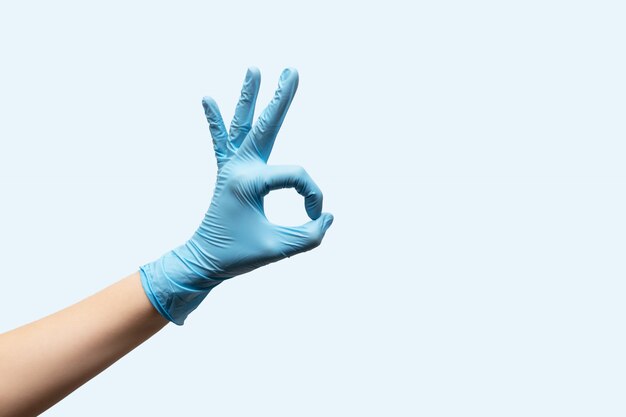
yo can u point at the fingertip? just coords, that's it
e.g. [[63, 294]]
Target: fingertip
[[211, 110], [313, 205], [208, 102], [327, 221], [253, 72], [289, 72], [252, 80], [290, 75]]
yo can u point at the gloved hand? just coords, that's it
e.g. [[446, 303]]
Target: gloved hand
[[235, 237]]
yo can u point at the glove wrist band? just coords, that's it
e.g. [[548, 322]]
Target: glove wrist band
[[174, 285]]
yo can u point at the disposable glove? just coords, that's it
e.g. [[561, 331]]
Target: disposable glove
[[235, 237]]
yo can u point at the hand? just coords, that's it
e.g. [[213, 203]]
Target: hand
[[235, 237]]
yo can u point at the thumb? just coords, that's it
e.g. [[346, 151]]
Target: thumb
[[294, 240]]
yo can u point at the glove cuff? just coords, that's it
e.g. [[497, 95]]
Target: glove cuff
[[145, 273], [173, 286]]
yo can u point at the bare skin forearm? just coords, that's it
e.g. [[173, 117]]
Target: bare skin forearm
[[44, 361]]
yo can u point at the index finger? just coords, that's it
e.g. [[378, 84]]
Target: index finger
[[291, 176]]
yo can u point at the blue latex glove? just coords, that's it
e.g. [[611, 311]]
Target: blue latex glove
[[235, 237]]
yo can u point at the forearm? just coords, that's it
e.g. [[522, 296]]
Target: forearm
[[44, 361]]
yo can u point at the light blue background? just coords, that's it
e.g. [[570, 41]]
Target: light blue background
[[472, 153]]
